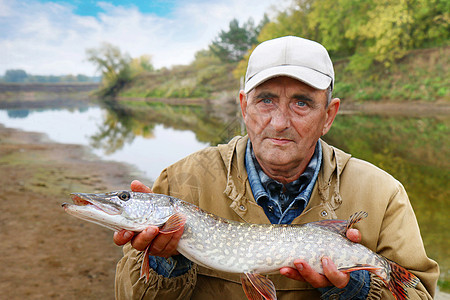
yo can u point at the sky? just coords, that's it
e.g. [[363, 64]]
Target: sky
[[50, 37]]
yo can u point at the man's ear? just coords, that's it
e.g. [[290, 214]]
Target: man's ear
[[332, 111], [243, 101]]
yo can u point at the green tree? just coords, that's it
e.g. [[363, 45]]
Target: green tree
[[431, 22], [141, 64], [232, 45], [114, 66], [292, 21], [385, 36], [15, 76], [369, 32], [83, 78]]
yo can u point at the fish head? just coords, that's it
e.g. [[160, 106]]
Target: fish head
[[122, 209]]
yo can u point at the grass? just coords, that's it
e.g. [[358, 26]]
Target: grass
[[423, 75]]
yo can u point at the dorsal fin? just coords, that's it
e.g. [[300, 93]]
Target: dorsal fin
[[338, 226], [355, 218], [341, 226]]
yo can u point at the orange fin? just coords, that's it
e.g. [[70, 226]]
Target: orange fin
[[258, 287], [338, 226], [249, 289], [173, 224], [145, 266], [341, 226], [400, 279], [355, 218], [359, 267]]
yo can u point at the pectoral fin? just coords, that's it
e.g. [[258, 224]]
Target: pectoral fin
[[258, 287], [173, 224]]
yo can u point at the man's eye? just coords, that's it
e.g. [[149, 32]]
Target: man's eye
[[266, 101], [301, 103]]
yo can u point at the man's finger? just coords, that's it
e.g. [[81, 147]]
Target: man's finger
[[172, 245], [337, 278], [354, 235], [315, 279], [122, 237], [291, 273], [144, 238], [137, 186], [165, 245]]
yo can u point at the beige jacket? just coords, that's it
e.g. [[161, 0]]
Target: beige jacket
[[216, 180]]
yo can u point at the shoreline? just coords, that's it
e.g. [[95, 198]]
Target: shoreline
[[382, 107], [58, 255], [391, 108]]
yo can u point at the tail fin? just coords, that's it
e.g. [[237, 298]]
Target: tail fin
[[400, 279]]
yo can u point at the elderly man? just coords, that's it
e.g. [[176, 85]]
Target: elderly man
[[282, 173]]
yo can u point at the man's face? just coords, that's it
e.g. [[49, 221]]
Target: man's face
[[284, 119]]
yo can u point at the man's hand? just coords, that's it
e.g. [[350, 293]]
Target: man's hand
[[163, 245], [332, 276]]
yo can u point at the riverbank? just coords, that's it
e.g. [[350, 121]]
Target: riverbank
[[47, 254], [40, 95]]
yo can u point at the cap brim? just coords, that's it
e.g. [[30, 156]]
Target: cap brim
[[309, 76]]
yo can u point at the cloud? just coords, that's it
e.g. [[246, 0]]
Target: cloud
[[50, 38]]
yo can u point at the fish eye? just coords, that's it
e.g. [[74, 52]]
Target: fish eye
[[124, 196]]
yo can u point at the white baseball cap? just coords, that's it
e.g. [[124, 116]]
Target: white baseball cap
[[296, 57]]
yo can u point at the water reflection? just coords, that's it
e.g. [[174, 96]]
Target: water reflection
[[18, 113], [111, 137], [415, 151], [116, 130], [125, 120]]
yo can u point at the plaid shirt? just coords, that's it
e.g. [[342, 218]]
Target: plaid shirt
[[282, 203]]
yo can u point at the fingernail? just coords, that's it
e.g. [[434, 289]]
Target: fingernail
[[127, 235], [151, 230], [299, 266], [325, 261]]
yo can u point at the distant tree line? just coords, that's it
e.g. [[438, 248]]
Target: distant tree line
[[366, 33], [21, 76], [229, 47]]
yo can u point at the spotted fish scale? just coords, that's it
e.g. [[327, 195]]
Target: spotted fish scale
[[249, 249], [242, 248]]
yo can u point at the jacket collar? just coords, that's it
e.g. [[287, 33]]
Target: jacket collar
[[238, 188], [333, 163]]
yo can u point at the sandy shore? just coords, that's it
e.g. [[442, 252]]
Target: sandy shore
[[47, 254]]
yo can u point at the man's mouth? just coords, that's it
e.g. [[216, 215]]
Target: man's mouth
[[280, 141]]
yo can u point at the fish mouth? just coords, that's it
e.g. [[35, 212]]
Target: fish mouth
[[79, 200], [99, 202]]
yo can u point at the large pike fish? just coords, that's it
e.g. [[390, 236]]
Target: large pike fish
[[229, 246]]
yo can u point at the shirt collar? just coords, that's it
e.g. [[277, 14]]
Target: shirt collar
[[264, 187]]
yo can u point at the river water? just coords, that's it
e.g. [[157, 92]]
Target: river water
[[149, 155], [414, 149]]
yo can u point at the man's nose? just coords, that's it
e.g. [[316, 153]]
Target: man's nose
[[280, 119]]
